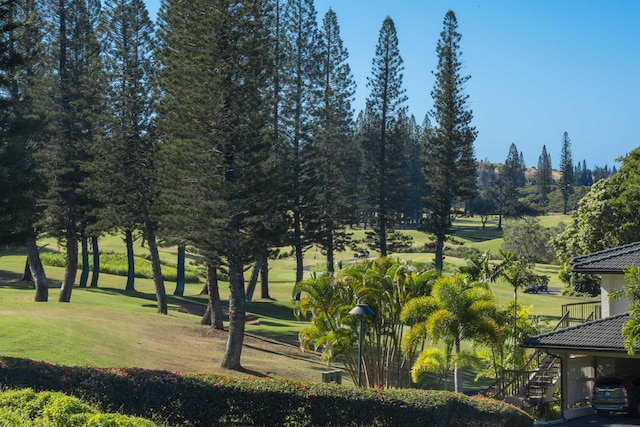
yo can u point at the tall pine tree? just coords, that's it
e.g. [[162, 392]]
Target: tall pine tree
[[566, 172], [123, 168], [450, 166], [299, 76], [76, 91], [215, 66], [20, 129], [544, 177], [384, 163], [328, 208]]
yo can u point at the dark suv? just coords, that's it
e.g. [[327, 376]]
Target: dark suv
[[617, 394]]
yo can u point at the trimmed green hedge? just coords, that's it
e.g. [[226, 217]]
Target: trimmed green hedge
[[26, 408], [208, 400], [117, 263]]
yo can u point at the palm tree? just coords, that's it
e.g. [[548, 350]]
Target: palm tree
[[479, 268], [518, 272], [385, 284], [456, 311]]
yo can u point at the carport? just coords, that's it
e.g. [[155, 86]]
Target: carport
[[586, 351]]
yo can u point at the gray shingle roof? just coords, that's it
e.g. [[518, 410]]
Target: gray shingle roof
[[612, 261], [598, 335]]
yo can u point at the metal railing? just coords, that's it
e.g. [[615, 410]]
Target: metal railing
[[580, 312], [515, 382]]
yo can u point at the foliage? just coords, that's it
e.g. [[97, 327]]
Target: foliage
[[75, 102], [566, 171], [544, 176], [382, 131], [215, 148], [449, 163], [26, 408], [397, 241], [529, 239], [20, 122], [456, 311], [204, 400], [298, 82], [519, 273], [386, 285], [116, 263], [606, 217], [631, 291], [333, 152]]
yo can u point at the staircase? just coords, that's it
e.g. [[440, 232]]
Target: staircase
[[536, 381], [542, 381]]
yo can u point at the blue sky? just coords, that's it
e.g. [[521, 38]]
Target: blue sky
[[538, 68]]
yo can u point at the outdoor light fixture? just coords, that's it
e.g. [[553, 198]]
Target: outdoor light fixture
[[361, 310]]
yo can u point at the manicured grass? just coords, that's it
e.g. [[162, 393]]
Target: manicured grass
[[110, 327]]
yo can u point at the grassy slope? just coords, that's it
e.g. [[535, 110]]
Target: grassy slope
[[108, 327]]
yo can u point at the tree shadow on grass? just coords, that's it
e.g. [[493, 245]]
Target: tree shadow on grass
[[477, 234]]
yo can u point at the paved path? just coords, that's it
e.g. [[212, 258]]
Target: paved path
[[613, 420]]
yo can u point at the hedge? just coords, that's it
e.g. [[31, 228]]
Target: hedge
[[199, 400], [26, 408]]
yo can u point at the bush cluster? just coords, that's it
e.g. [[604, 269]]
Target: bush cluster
[[208, 400], [26, 408], [116, 263]]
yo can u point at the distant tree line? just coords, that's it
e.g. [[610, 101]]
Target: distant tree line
[[512, 189]]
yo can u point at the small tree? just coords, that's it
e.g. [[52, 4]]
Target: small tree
[[518, 272], [386, 285], [527, 238], [456, 311]]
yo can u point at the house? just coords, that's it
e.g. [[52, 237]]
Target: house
[[594, 348]]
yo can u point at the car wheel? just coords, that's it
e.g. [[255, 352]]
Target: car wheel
[[636, 408], [603, 413]]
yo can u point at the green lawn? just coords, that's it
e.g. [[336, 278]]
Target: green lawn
[[110, 327]]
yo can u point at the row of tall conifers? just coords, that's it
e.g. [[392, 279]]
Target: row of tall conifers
[[227, 128]]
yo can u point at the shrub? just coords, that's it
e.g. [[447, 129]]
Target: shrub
[[206, 400], [116, 263], [24, 408]]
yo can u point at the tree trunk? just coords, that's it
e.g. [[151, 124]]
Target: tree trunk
[[180, 280], [515, 319], [84, 276], [457, 373], [213, 314], [26, 275], [131, 267], [439, 258], [71, 265], [96, 261], [253, 281], [233, 350], [264, 279], [330, 256], [382, 232], [158, 280], [36, 270], [298, 250]]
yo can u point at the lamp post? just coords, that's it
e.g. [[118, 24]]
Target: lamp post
[[361, 310]]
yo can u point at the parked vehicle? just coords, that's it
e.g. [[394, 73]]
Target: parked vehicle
[[534, 288], [617, 394]]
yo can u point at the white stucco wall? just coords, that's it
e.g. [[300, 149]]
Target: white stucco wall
[[578, 372], [611, 283]]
